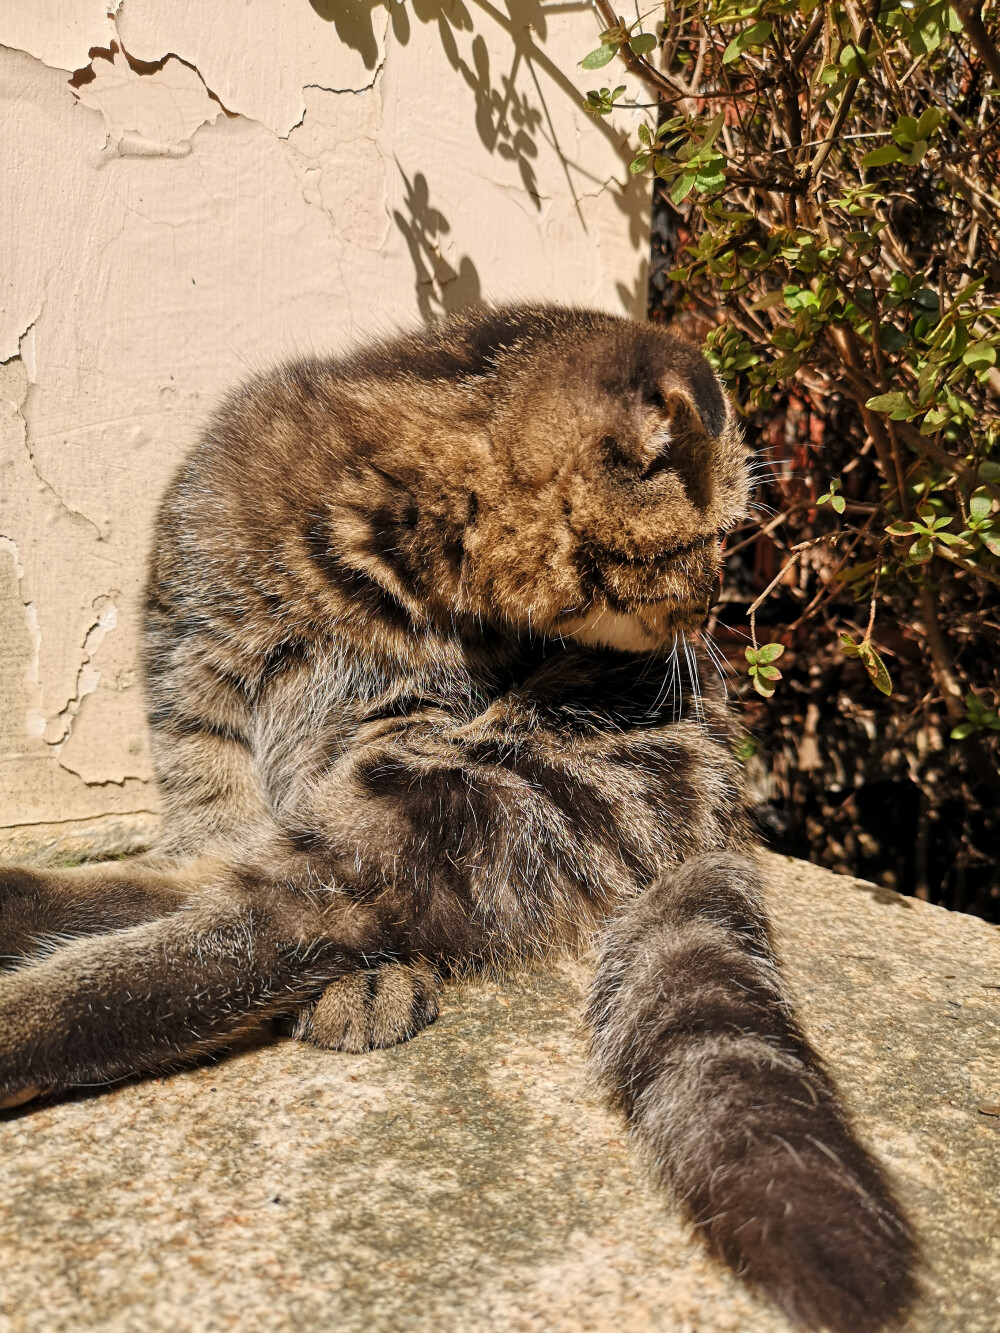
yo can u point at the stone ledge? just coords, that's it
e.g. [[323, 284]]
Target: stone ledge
[[472, 1180], [69, 841]]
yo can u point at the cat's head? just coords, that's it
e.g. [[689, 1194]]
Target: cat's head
[[616, 464]]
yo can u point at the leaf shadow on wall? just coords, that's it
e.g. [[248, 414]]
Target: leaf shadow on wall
[[508, 121], [440, 288], [353, 21]]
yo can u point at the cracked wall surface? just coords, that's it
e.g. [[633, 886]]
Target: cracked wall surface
[[194, 192]]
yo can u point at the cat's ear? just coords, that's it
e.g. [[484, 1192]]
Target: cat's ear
[[695, 407], [689, 412]]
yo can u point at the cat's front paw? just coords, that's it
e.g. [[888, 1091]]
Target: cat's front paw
[[369, 1009]]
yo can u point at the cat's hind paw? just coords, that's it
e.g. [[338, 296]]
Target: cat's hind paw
[[370, 1009]]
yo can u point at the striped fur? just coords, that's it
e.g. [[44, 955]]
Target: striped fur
[[413, 634], [731, 1106]]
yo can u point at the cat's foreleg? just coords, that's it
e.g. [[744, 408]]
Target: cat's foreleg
[[156, 995], [691, 1031]]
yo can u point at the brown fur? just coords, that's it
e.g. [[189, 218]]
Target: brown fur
[[412, 641]]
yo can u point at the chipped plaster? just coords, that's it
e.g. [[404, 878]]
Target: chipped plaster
[[194, 193], [148, 114], [259, 67]]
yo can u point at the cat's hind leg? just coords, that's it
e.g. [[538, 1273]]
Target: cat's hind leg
[[41, 908], [372, 1008], [153, 996]]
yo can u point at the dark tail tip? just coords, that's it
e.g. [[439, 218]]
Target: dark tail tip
[[826, 1242]]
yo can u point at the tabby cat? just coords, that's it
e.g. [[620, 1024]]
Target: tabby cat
[[412, 633]]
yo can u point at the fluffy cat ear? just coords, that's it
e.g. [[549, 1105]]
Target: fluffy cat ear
[[686, 417], [693, 401]]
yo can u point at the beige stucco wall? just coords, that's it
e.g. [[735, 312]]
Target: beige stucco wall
[[254, 180]]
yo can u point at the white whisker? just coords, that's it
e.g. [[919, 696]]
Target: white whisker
[[722, 667], [692, 667]]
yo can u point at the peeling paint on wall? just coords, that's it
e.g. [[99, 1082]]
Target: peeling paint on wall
[[259, 64], [21, 715], [88, 676], [150, 112], [341, 169], [194, 192], [53, 31]]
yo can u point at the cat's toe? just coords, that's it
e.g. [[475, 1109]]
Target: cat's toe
[[366, 1010], [11, 1099]]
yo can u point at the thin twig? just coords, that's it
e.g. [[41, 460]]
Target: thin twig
[[971, 14], [786, 568]]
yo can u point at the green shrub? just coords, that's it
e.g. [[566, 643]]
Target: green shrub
[[827, 174]]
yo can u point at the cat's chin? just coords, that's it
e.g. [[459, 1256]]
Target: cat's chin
[[646, 632]]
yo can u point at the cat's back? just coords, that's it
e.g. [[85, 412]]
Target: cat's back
[[280, 442], [260, 549]]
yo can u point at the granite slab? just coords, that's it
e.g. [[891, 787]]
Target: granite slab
[[474, 1180]]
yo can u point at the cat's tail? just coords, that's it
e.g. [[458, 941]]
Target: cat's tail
[[691, 1031]]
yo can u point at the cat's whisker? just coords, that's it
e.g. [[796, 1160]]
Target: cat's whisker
[[715, 658], [667, 685], [692, 668], [676, 687]]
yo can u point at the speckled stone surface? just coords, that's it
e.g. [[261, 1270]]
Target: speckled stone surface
[[473, 1179]]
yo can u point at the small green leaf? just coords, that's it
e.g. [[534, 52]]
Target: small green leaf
[[838, 503], [708, 182], [928, 122], [756, 35], [769, 672], [602, 56], [978, 717], [682, 187], [712, 132], [980, 354], [875, 668], [881, 157], [916, 153], [921, 551], [768, 300], [642, 43], [763, 687], [905, 131], [889, 402], [902, 529], [891, 339], [770, 652], [848, 647]]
